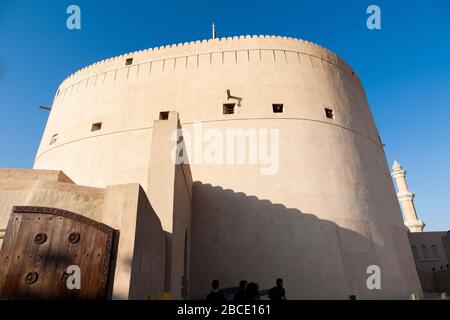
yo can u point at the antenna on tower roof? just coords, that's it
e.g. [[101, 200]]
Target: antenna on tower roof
[[213, 30]]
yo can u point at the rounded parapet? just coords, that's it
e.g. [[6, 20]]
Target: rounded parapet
[[203, 47]]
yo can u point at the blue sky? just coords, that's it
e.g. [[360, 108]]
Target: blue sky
[[405, 66]]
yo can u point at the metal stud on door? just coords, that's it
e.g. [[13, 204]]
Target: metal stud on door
[[41, 244]]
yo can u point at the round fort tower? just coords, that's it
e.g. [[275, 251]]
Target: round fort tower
[[327, 212]]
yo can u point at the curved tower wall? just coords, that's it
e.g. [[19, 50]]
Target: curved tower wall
[[329, 211]]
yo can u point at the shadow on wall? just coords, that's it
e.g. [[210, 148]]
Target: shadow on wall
[[155, 277], [235, 237], [148, 264]]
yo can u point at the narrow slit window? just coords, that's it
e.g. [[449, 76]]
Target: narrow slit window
[[164, 115], [329, 113], [129, 62], [277, 108], [96, 126], [54, 138], [228, 108]]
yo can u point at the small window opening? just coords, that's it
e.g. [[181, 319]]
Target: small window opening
[[96, 126], [424, 250], [329, 113], [164, 115], [54, 138], [277, 108], [435, 252], [129, 61], [228, 108]]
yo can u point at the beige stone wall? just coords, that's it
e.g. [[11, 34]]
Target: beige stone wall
[[170, 192], [333, 172], [434, 272], [182, 235], [13, 175], [192, 79], [446, 245], [22, 187], [429, 239], [140, 265]]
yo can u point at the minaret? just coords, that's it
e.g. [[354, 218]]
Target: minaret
[[405, 197]]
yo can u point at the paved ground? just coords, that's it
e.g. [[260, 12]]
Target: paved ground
[[433, 296]]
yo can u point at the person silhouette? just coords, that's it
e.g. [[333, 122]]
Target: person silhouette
[[278, 292], [215, 295], [251, 292], [240, 295]]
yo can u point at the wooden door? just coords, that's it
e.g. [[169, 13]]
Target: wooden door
[[39, 246]]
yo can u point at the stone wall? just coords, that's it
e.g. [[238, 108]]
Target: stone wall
[[141, 255]]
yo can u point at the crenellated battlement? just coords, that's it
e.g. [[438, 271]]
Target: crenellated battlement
[[206, 46]]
